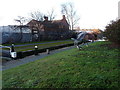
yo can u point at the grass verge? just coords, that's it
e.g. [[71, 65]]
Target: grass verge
[[95, 66]]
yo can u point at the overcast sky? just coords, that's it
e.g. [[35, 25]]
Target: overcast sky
[[93, 13]]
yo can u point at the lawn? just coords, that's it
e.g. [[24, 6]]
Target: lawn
[[95, 66]]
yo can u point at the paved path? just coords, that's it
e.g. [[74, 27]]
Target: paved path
[[14, 63]]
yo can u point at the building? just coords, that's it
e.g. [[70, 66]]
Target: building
[[44, 30], [97, 32], [36, 31]]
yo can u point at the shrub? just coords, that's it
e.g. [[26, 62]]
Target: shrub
[[112, 31]]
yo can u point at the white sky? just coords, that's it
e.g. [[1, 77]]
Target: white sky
[[93, 13]]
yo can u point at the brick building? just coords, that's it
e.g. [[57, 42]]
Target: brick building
[[52, 30]]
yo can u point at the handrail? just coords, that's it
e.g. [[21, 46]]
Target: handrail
[[12, 52], [6, 47]]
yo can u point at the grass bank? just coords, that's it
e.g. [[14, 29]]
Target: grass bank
[[95, 66]]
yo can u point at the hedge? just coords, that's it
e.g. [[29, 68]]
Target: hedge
[[112, 31]]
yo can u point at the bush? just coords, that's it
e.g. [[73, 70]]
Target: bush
[[112, 31]]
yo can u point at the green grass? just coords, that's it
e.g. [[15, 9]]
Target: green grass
[[33, 42], [40, 46], [95, 66]]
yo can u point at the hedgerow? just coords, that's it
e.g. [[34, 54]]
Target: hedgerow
[[112, 31]]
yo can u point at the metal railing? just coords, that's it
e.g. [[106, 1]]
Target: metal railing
[[13, 54]]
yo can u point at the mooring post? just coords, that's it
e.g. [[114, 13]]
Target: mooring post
[[12, 48], [47, 51], [36, 50], [12, 52]]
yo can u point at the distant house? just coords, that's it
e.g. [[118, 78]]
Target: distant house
[[97, 32], [49, 29]]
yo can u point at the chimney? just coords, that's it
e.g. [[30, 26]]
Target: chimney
[[46, 18], [64, 18]]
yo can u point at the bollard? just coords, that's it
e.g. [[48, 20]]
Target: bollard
[[36, 50], [47, 50], [12, 48], [12, 52]]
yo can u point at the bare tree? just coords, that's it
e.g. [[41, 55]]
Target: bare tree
[[51, 14], [37, 15], [21, 20], [71, 14]]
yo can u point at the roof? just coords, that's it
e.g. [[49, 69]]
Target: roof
[[49, 24]]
